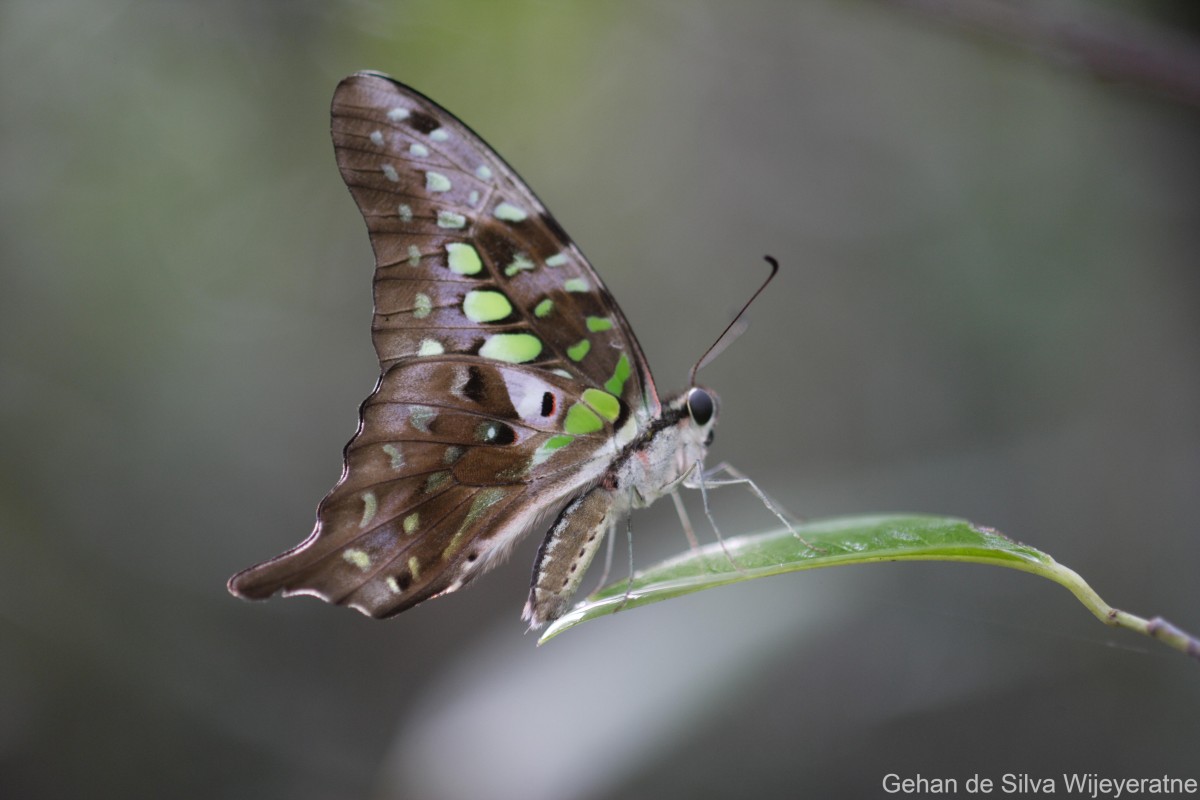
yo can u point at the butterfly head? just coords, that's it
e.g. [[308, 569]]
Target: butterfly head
[[701, 407], [696, 412]]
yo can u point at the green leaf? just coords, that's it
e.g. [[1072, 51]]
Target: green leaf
[[851, 540]]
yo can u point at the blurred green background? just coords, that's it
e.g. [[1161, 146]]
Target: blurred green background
[[989, 307]]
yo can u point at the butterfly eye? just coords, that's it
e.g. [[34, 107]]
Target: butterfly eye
[[700, 406]]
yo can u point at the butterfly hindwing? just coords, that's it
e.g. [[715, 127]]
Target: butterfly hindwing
[[455, 459]]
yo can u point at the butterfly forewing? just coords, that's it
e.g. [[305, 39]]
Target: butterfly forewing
[[468, 260]]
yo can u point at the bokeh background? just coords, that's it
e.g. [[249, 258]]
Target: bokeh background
[[989, 307]]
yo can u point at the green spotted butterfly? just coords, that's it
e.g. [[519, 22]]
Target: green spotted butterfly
[[513, 397]]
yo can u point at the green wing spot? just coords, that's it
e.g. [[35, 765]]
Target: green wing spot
[[449, 219], [604, 403], [578, 350], [543, 309], [549, 448], [370, 505], [463, 258], [485, 499], [520, 262], [422, 305], [482, 502], [557, 260], [357, 558], [555, 442], [575, 285], [515, 348], [581, 420], [597, 324], [436, 481], [616, 384], [411, 522], [480, 306]]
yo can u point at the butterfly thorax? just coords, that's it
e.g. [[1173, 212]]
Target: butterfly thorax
[[672, 447], [669, 450]]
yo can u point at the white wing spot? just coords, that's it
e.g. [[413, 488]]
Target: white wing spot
[[510, 213], [483, 172], [627, 432], [394, 455], [439, 134], [430, 347], [377, 137], [473, 198], [411, 522], [420, 417], [541, 456], [526, 396], [448, 219], [418, 150], [397, 114], [414, 256], [436, 182], [557, 260], [405, 212], [391, 173], [391, 584]]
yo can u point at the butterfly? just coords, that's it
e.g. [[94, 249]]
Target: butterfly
[[513, 394]]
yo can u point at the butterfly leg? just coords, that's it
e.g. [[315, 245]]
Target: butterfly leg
[[737, 477], [628, 583], [684, 520], [565, 554], [608, 562], [694, 479]]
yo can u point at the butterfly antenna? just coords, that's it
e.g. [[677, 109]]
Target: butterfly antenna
[[733, 329]]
